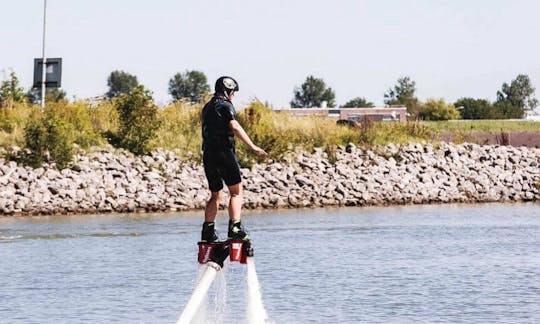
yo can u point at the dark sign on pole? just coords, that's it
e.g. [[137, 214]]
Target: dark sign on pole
[[53, 72]]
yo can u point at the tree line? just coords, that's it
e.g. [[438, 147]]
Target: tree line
[[514, 99]]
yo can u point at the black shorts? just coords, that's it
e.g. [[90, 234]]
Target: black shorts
[[221, 165]]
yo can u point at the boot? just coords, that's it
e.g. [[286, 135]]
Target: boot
[[236, 231], [208, 233]]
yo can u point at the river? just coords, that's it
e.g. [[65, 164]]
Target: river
[[408, 264]]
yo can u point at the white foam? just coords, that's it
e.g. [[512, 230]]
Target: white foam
[[255, 312], [199, 294], [9, 238]]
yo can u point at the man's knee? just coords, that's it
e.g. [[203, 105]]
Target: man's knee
[[235, 190], [236, 195], [215, 197]]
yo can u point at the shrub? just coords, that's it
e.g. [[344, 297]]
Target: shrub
[[180, 128], [382, 133], [282, 133], [438, 109], [6, 121], [48, 137], [78, 117], [12, 123], [138, 117]]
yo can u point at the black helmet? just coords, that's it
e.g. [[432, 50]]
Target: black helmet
[[226, 84]]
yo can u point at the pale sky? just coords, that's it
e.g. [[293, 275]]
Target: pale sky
[[451, 48]]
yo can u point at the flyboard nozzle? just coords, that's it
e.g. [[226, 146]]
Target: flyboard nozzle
[[240, 250], [216, 252], [221, 252], [247, 251]]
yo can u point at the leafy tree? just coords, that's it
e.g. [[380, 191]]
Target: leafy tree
[[403, 93], [503, 109], [120, 82], [51, 95], [190, 85], [312, 93], [437, 109], [11, 91], [520, 93], [358, 102], [471, 108], [139, 121]]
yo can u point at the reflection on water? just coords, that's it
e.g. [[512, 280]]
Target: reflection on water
[[444, 263]]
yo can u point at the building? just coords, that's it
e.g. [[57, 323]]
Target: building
[[353, 114]]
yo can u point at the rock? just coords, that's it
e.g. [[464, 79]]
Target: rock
[[106, 181]]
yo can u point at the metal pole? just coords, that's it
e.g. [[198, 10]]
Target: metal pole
[[44, 58]]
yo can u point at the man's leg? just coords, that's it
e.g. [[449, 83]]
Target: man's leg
[[235, 201], [236, 231], [208, 233], [212, 205]]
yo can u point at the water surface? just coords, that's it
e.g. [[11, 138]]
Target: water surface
[[427, 264]]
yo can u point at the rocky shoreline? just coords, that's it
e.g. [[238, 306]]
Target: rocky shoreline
[[105, 180]]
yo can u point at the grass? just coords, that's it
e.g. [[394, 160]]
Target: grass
[[12, 122], [278, 133], [484, 125], [281, 133], [180, 129]]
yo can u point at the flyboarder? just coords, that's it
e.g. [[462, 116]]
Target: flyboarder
[[219, 127]]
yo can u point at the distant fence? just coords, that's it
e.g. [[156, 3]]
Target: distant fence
[[375, 114]]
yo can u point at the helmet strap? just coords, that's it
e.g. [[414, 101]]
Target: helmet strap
[[228, 95]]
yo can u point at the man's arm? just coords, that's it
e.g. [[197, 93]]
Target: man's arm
[[241, 133]]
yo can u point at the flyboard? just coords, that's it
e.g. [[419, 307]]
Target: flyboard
[[212, 255]]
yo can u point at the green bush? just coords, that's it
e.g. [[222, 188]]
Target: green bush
[[12, 122], [138, 117], [47, 133], [50, 134], [281, 133], [437, 109], [7, 124], [77, 116], [382, 133], [180, 128]]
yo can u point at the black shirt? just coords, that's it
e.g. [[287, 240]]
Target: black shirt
[[216, 115]]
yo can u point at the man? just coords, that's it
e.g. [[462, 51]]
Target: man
[[219, 126]]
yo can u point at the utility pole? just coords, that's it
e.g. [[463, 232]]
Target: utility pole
[[44, 64]]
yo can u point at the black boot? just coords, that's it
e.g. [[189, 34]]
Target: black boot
[[208, 233], [236, 231]]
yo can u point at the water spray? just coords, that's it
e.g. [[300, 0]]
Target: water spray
[[212, 256]]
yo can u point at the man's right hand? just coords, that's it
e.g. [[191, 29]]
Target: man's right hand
[[259, 151]]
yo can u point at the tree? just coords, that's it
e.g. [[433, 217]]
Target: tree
[[51, 95], [471, 108], [312, 93], [520, 93], [504, 109], [120, 82], [437, 109], [139, 120], [11, 91], [403, 93], [358, 102], [191, 85]]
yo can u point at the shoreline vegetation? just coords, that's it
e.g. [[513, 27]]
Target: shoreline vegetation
[[73, 160], [176, 127]]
